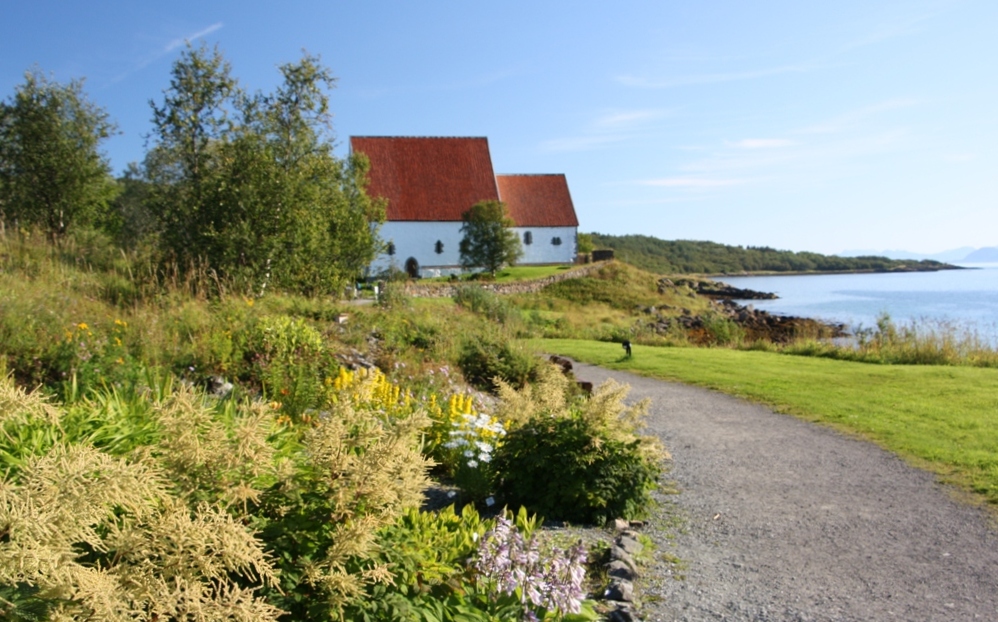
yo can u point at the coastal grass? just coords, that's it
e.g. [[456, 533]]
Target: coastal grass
[[512, 274], [528, 273], [940, 418]]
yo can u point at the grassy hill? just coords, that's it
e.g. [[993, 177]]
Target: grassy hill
[[698, 257]]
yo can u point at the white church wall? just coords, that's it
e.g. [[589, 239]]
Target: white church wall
[[419, 241], [543, 248]]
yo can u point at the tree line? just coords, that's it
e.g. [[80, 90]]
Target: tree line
[[242, 184], [700, 257]]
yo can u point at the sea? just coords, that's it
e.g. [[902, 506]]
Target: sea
[[965, 300]]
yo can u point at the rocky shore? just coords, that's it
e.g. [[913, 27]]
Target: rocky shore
[[755, 323]]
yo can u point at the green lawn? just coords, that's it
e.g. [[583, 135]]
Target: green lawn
[[941, 418], [517, 273]]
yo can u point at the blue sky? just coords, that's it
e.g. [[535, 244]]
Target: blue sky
[[799, 125]]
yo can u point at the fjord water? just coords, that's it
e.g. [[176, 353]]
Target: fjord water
[[964, 299]]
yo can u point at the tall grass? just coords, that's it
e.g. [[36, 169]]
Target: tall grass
[[912, 343]]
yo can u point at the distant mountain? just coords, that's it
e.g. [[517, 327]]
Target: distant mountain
[[956, 254], [982, 255]]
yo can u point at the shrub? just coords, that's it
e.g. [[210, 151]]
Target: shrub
[[574, 458], [489, 304], [486, 357], [287, 357], [393, 296], [723, 331], [568, 469]]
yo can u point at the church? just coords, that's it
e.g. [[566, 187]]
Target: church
[[429, 182]]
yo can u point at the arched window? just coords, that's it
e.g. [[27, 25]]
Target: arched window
[[438, 247], [391, 248], [556, 241], [528, 238]]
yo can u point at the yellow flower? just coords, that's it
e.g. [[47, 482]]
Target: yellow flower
[[82, 326]]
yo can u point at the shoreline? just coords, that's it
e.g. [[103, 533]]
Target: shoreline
[[721, 275]]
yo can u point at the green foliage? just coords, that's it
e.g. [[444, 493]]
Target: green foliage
[[688, 256], [489, 355], [723, 331], [198, 503], [260, 199], [488, 240], [574, 458], [428, 553], [52, 173], [569, 469], [288, 360], [488, 304], [393, 296]]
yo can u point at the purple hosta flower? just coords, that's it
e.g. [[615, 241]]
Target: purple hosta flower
[[511, 562]]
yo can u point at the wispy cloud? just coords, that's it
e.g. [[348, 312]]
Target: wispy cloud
[[763, 143], [204, 32], [581, 143], [891, 28], [148, 59], [854, 117], [611, 127], [712, 78], [629, 118], [692, 182]]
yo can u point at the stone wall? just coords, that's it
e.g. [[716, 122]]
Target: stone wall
[[446, 290]]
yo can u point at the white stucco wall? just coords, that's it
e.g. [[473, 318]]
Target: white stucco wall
[[418, 240], [541, 250]]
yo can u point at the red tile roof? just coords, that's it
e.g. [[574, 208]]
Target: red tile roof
[[538, 200], [428, 178]]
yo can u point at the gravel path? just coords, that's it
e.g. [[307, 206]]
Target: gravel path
[[779, 519]]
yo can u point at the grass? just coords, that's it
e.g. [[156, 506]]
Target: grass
[[941, 418], [513, 274], [528, 273]]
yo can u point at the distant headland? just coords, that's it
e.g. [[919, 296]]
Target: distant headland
[[711, 258]]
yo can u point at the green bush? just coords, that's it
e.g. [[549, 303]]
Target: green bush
[[489, 304], [724, 332], [485, 357], [288, 362], [570, 469]]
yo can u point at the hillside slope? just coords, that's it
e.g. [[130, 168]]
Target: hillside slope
[[700, 257]]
